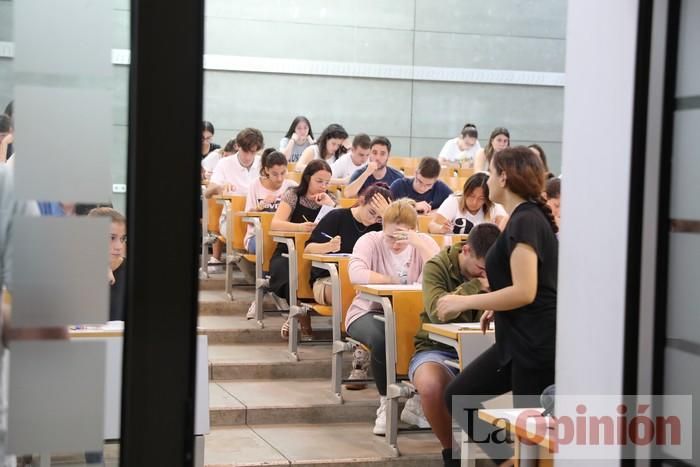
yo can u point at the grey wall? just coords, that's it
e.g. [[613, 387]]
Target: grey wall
[[417, 115]]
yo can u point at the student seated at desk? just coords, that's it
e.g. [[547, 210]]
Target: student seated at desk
[[299, 137], [329, 147], [498, 141], [395, 255], [460, 213], [522, 272], [462, 148], [235, 173], [213, 158], [425, 187], [297, 211], [376, 169], [352, 160], [265, 193], [456, 269], [338, 232]]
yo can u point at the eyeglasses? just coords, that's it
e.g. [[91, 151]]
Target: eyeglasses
[[423, 183], [121, 239]]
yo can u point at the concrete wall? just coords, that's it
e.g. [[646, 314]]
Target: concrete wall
[[417, 115]]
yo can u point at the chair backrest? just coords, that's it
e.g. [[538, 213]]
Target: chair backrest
[[304, 267], [407, 309], [295, 176], [214, 210], [268, 243], [346, 202], [424, 221], [238, 227], [456, 184]]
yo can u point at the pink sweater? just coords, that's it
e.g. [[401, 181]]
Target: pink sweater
[[372, 254]]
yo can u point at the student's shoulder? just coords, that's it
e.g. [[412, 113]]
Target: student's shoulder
[[356, 174], [395, 172]]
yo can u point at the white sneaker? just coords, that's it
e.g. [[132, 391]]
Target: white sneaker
[[412, 413], [380, 422], [251, 311]]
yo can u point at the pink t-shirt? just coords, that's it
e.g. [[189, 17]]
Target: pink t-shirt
[[255, 201], [371, 253]]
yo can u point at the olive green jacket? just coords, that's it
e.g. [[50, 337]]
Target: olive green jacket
[[441, 276]]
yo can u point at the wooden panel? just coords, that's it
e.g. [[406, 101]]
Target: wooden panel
[[346, 202], [268, 243], [304, 267], [407, 308], [214, 210], [238, 227], [423, 222]]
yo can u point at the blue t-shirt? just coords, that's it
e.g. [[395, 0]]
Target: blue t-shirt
[[391, 175], [403, 188]]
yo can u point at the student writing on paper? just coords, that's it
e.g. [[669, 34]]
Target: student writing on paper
[[522, 272], [458, 269], [329, 147], [338, 232], [297, 210], [352, 160], [425, 187], [395, 255], [265, 193]]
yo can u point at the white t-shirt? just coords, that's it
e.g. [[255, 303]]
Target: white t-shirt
[[255, 201], [210, 161], [344, 166], [451, 152], [229, 170], [450, 210]]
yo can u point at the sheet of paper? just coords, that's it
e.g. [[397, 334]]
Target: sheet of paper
[[322, 213]]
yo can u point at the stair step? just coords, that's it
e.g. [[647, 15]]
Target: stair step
[[271, 361], [287, 401], [307, 445]]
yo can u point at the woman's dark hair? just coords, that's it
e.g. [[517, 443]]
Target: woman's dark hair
[[333, 130], [488, 151], [231, 145], [295, 122], [314, 166], [270, 158], [469, 131], [9, 110], [553, 188], [478, 180], [5, 123], [207, 126], [468, 125], [380, 188], [543, 156], [524, 176]]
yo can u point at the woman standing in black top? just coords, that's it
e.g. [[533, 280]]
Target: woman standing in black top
[[522, 272]]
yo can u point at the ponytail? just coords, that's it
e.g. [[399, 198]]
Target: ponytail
[[546, 210]]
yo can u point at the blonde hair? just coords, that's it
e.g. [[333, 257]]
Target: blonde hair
[[403, 212]]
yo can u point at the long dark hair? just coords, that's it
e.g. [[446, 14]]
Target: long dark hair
[[488, 151], [478, 180], [333, 130], [314, 166], [543, 156], [524, 176], [270, 158], [295, 122]]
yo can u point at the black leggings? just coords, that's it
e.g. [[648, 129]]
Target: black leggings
[[370, 332], [484, 378], [279, 275]]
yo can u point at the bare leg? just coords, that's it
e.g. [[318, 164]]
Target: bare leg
[[217, 248], [430, 380]]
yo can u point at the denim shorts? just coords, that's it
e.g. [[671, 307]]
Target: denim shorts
[[434, 356], [251, 245]]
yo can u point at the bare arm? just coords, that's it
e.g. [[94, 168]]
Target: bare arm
[[281, 220], [287, 150], [353, 189], [523, 265], [439, 225], [480, 160], [306, 157], [212, 190], [331, 246]]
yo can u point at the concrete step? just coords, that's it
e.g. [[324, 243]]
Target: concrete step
[[271, 361], [239, 330], [283, 401], [309, 445], [216, 302]]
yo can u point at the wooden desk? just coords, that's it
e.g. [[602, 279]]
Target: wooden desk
[[113, 339], [533, 443], [448, 239], [343, 294], [423, 222], [402, 305], [299, 273], [469, 343], [235, 232]]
